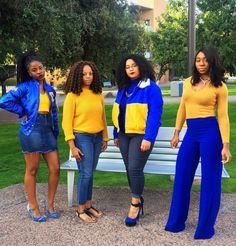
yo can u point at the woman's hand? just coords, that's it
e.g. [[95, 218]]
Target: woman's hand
[[175, 140], [225, 153], [25, 117], [77, 153], [145, 145], [104, 146], [116, 142]]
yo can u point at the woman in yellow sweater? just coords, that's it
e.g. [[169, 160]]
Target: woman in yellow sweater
[[206, 137], [85, 129]]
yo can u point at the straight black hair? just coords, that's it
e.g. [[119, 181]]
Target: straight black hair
[[215, 70]]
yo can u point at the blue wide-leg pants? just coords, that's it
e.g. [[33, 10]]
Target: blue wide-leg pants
[[202, 139]]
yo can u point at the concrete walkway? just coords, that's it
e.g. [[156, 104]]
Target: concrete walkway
[[17, 229]]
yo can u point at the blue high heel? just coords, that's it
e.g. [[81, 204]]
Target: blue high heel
[[41, 218], [132, 222], [50, 214]]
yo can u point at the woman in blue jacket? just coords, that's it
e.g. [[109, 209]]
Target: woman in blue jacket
[[136, 116], [35, 103]]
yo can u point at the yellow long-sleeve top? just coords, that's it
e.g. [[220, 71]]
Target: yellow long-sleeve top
[[44, 102], [84, 113], [203, 103]]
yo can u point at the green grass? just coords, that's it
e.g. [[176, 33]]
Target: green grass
[[165, 91], [232, 90], [12, 165], [232, 82]]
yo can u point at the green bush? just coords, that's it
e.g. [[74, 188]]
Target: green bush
[[61, 86], [11, 81]]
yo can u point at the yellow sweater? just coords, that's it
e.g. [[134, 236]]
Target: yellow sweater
[[84, 113], [203, 103]]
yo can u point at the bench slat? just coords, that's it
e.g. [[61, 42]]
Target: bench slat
[[155, 150], [164, 133], [157, 153], [153, 167], [158, 144], [154, 156]]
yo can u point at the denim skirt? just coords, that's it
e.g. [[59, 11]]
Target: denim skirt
[[41, 139]]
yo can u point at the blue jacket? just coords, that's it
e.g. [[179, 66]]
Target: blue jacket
[[143, 110], [24, 100]]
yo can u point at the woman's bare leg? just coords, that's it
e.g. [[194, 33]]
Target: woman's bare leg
[[52, 160], [32, 164]]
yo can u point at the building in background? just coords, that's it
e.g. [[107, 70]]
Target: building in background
[[149, 12]]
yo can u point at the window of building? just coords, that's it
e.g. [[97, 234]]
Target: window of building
[[147, 22]]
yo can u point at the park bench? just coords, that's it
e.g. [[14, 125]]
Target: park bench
[[161, 161]]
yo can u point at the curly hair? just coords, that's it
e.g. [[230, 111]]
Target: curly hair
[[145, 68], [215, 70], [74, 80], [23, 63]]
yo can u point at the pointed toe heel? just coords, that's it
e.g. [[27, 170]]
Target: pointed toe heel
[[53, 215], [41, 218], [50, 214]]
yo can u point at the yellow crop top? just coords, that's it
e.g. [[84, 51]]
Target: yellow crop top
[[84, 113], [203, 103], [44, 103]]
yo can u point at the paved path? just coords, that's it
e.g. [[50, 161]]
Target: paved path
[[17, 229], [7, 117]]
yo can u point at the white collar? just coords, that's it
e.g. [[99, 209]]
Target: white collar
[[144, 83]]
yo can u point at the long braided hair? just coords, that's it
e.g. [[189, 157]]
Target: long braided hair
[[74, 80], [23, 63]]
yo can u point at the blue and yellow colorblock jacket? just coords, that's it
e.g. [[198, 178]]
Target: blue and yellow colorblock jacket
[[24, 100], [143, 110]]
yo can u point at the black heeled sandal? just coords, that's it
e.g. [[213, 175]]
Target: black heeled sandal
[[132, 222], [78, 214]]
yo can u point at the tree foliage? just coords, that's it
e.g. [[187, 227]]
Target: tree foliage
[[66, 31], [113, 33], [215, 26], [169, 41]]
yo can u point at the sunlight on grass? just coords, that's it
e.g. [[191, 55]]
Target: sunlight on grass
[[232, 90]]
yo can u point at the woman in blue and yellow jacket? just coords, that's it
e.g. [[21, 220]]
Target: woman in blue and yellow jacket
[[136, 116], [35, 102]]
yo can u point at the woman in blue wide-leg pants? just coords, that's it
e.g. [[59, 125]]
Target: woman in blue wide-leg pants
[[201, 140], [207, 138]]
